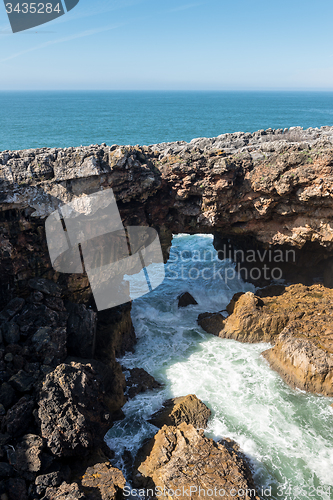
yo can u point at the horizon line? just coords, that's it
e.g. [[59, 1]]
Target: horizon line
[[172, 90]]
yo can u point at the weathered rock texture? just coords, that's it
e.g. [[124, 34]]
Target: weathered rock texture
[[270, 188], [55, 409], [266, 188], [188, 409], [299, 321], [182, 457], [301, 363]]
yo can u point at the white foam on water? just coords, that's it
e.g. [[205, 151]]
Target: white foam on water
[[286, 433]]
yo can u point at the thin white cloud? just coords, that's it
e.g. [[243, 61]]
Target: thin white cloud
[[92, 31], [64, 39]]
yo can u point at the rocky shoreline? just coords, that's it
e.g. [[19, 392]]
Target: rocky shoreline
[[61, 385]]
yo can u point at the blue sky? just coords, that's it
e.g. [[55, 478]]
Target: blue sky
[[174, 45]]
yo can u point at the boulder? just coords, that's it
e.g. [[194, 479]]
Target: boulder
[[72, 414], [140, 381], [22, 381], [185, 299], [51, 480], [211, 322], [188, 409], [6, 470], [7, 395], [29, 454], [249, 321], [64, 492], [298, 319], [181, 458], [17, 489], [50, 343], [102, 482]]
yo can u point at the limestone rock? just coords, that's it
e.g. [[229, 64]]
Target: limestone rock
[[188, 409], [299, 319], [248, 322], [52, 479], [301, 363], [182, 457], [231, 306]]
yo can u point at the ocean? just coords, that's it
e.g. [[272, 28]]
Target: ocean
[[63, 119]]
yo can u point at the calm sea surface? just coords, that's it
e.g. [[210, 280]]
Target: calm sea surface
[[62, 119]]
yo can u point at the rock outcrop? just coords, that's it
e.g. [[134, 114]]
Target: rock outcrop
[[299, 321], [52, 406], [301, 363], [267, 188], [270, 191], [182, 459], [188, 409]]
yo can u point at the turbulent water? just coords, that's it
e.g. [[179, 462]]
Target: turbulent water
[[286, 433]]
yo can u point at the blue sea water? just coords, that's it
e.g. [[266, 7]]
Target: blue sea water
[[63, 119]]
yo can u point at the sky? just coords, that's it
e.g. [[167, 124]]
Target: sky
[[173, 45]]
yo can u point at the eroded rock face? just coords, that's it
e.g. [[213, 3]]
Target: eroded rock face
[[188, 409], [274, 187], [299, 321], [64, 492], [71, 409], [102, 482], [301, 363], [307, 310], [182, 457]]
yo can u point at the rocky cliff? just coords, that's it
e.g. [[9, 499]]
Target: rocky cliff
[[270, 188], [263, 192]]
